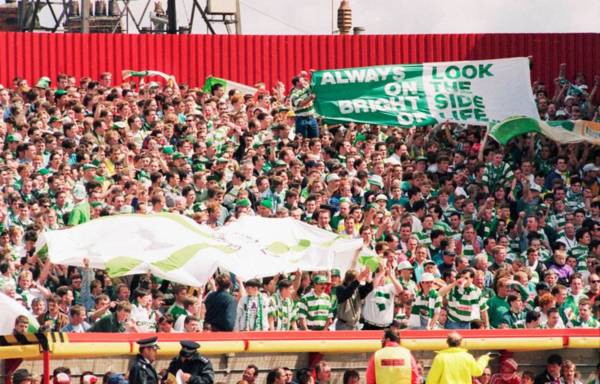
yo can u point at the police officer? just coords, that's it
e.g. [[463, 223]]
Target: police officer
[[142, 371], [196, 369]]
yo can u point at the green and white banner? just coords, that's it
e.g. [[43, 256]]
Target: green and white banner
[[227, 84], [406, 95], [565, 131], [178, 249]]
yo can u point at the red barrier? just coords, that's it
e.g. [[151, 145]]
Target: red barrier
[[250, 59]]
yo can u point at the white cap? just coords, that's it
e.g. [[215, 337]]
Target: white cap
[[590, 167], [426, 276], [381, 196], [404, 265]]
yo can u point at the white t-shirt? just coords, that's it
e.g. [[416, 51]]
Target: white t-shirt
[[378, 308], [141, 317]]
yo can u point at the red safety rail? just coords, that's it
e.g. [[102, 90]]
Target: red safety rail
[[327, 335], [250, 59]]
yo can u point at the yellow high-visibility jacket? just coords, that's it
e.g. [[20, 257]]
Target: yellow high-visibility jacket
[[455, 366]]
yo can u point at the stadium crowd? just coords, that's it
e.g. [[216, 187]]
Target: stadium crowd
[[470, 234]]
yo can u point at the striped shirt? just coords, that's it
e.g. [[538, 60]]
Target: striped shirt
[[297, 96], [558, 221], [465, 304], [424, 237], [427, 305], [581, 254], [315, 309], [468, 251], [284, 311], [579, 323], [496, 177]]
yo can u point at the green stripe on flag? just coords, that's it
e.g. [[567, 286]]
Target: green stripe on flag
[[210, 81], [514, 126]]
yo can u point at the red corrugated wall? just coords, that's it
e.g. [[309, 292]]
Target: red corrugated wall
[[249, 59]]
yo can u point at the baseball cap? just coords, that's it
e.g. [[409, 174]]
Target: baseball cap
[[426, 276]]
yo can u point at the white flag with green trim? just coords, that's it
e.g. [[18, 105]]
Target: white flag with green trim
[[563, 131], [178, 249]]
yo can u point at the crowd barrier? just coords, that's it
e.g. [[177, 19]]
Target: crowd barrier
[[90, 345]]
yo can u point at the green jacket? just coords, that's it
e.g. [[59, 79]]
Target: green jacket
[[108, 323]]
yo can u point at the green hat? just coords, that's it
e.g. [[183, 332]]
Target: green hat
[[242, 203], [222, 160], [96, 204], [197, 167], [60, 92], [199, 207], [119, 125], [87, 166], [209, 143], [178, 155], [336, 272], [43, 83], [421, 158], [256, 145], [319, 279], [376, 180], [267, 203], [53, 119], [44, 171], [14, 138], [280, 163]]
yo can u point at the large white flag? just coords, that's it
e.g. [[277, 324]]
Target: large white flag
[[176, 248], [11, 309]]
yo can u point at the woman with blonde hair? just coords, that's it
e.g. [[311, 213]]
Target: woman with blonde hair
[[569, 374]]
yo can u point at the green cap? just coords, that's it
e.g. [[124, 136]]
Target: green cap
[[96, 204], [421, 158], [87, 166], [119, 125], [14, 138], [53, 119], [242, 203], [168, 150], [178, 155], [44, 171], [319, 279], [280, 163], [267, 203], [222, 160], [197, 167], [43, 83], [60, 92], [336, 272]]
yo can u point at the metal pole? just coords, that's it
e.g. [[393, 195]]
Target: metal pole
[[172, 16], [238, 19], [85, 16]]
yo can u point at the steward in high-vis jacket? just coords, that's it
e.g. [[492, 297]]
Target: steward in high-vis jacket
[[392, 364], [455, 365]]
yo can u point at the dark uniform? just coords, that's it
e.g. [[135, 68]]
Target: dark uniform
[[190, 361], [142, 371]]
